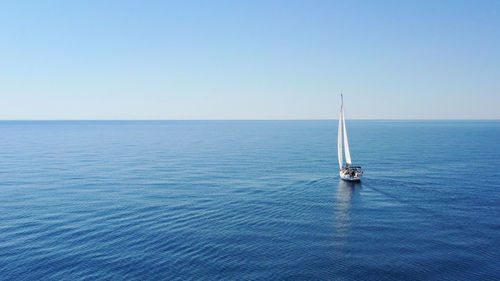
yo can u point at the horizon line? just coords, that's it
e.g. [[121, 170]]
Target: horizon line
[[291, 119]]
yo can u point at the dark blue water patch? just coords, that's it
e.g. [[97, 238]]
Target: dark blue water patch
[[248, 200]]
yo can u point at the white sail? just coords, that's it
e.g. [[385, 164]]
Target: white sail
[[346, 143], [339, 141]]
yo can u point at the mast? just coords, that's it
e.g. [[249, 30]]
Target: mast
[[346, 143], [339, 140]]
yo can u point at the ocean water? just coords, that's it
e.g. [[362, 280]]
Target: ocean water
[[248, 200]]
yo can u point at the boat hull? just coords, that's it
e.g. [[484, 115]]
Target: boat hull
[[349, 178], [351, 173]]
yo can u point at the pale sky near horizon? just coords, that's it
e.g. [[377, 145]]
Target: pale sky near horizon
[[249, 59]]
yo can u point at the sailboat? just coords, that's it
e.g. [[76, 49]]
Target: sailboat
[[348, 172]]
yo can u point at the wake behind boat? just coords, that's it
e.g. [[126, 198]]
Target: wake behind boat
[[347, 172]]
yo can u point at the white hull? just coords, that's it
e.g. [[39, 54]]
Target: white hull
[[349, 178]]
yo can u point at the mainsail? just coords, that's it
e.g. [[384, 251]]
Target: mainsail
[[339, 141]]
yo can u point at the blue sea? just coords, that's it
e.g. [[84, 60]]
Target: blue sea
[[248, 200]]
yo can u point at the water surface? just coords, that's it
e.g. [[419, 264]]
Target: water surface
[[248, 200]]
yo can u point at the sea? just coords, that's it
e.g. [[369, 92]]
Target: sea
[[248, 200]]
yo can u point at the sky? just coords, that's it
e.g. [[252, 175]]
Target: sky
[[269, 59]]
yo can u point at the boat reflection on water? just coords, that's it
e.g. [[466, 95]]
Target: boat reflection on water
[[346, 192]]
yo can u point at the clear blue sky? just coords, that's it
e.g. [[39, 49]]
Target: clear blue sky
[[249, 59]]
